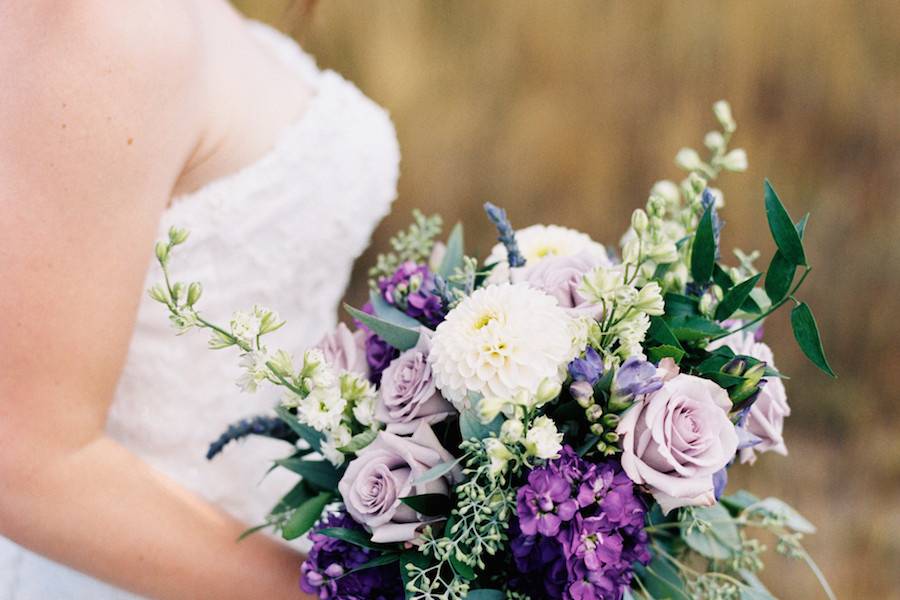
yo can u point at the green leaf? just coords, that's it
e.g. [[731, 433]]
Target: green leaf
[[250, 531], [679, 305], [430, 505], [461, 568], [782, 510], [398, 336], [721, 278], [692, 329], [437, 471], [485, 594], [355, 537], [661, 579], [453, 257], [305, 516], [660, 331], [703, 252], [735, 297], [299, 494], [783, 230], [755, 589], [390, 313], [306, 433], [779, 277], [807, 334], [379, 561], [720, 540], [318, 473], [658, 353], [359, 441]]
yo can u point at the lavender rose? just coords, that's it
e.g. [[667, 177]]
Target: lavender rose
[[345, 350], [383, 472], [408, 394], [675, 439], [560, 277]]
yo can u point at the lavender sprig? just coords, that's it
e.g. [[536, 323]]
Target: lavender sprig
[[264, 425], [507, 235]]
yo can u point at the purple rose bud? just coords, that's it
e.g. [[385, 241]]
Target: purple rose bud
[[589, 368], [636, 377]]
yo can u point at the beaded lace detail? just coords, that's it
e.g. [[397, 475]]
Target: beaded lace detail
[[282, 232]]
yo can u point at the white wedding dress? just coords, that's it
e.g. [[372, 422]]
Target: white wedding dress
[[282, 232]]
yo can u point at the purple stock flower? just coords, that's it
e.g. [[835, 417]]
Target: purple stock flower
[[635, 377], [323, 573], [379, 354], [597, 544], [412, 290], [588, 369], [545, 503]]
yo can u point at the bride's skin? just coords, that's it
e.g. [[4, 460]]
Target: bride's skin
[[108, 109]]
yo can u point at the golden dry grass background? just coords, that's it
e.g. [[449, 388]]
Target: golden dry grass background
[[568, 111]]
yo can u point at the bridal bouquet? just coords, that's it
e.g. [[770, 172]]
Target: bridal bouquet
[[555, 421]]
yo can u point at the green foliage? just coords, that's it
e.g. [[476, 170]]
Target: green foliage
[[703, 250], [430, 505], [414, 244], [398, 336], [355, 537], [305, 516], [453, 257], [782, 227], [807, 334], [306, 433], [318, 473], [735, 297]]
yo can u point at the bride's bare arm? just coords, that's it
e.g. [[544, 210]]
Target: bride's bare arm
[[98, 114]]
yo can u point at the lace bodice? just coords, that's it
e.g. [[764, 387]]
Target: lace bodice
[[282, 232]]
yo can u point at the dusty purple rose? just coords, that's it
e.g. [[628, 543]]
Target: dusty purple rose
[[675, 439], [345, 350], [561, 276], [408, 394], [383, 472]]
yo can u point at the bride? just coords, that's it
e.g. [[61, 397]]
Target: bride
[[118, 120]]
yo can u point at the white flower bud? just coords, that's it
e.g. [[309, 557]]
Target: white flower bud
[[714, 141], [722, 111], [639, 220], [663, 253], [499, 455], [162, 252], [666, 190], [512, 431], [158, 293], [178, 235], [194, 292], [548, 390], [631, 251], [649, 300], [543, 440], [688, 159], [736, 160], [489, 407]]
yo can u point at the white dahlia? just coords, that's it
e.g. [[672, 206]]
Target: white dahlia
[[502, 340], [538, 242]]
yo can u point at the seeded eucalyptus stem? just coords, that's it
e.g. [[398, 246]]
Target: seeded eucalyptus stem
[[772, 309]]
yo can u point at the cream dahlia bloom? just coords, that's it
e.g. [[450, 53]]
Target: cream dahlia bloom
[[503, 340], [538, 242]]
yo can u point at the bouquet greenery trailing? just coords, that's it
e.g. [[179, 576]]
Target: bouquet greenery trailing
[[555, 421]]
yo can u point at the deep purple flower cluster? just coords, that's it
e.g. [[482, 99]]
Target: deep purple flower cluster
[[324, 572], [379, 353], [580, 529], [411, 289]]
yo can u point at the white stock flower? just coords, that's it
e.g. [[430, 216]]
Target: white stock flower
[[500, 341], [631, 333], [255, 370], [511, 431], [604, 284], [538, 242], [245, 326], [364, 409], [322, 409], [649, 300], [337, 438], [543, 440]]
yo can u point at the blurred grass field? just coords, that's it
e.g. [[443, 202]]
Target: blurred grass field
[[568, 112]]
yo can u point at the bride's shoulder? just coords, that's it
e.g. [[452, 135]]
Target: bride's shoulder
[[81, 72]]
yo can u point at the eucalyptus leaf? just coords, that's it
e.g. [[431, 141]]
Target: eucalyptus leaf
[[306, 433], [703, 251], [485, 594], [661, 579], [471, 427], [807, 334], [359, 441], [318, 473], [379, 561], [390, 313], [305, 516], [398, 336], [781, 509], [453, 257], [738, 501], [430, 505], [735, 297], [720, 540], [784, 232], [754, 589], [437, 471]]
